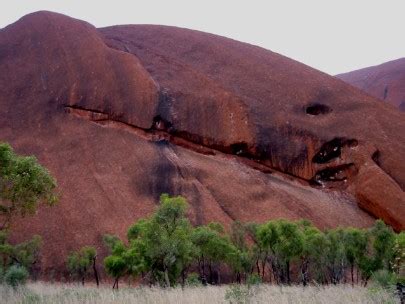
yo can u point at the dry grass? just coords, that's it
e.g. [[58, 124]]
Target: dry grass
[[73, 294]]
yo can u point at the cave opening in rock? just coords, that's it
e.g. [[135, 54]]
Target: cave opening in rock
[[317, 109], [376, 157], [161, 124], [333, 174], [329, 150], [333, 149], [240, 149]]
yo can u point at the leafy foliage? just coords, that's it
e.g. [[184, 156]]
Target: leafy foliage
[[16, 275], [23, 184], [161, 249], [25, 254], [79, 262], [398, 261]]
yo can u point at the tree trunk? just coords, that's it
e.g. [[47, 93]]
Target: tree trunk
[[183, 278], [95, 272], [203, 269], [352, 273], [276, 274], [366, 280], [264, 268], [304, 272], [287, 269], [167, 281], [200, 272], [115, 286]]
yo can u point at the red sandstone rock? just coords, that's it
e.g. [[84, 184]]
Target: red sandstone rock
[[385, 81], [120, 115]]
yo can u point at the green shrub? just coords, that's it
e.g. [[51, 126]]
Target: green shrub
[[253, 279], [192, 280], [384, 279], [16, 275]]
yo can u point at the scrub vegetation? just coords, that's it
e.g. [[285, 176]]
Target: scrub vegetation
[[167, 259]]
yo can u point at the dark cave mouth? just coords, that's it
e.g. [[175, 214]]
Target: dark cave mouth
[[333, 149], [161, 124], [317, 109], [334, 174]]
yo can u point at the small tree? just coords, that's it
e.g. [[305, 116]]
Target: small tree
[[311, 255], [80, 262], [167, 247], [213, 248], [242, 257], [283, 242], [398, 262], [159, 247], [24, 183], [116, 264], [116, 267], [289, 246], [355, 241], [380, 250], [259, 253], [335, 255]]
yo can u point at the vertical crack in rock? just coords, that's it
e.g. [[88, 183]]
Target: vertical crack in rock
[[385, 92]]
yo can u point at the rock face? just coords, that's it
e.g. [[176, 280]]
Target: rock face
[[121, 114], [385, 81]]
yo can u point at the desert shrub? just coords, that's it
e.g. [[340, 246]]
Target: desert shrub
[[16, 276], [193, 280], [159, 246], [385, 279], [253, 279], [398, 261], [164, 247], [79, 263], [213, 248]]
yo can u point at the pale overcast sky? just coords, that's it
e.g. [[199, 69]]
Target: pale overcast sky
[[332, 36]]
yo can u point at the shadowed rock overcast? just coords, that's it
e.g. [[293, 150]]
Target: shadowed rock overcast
[[121, 114]]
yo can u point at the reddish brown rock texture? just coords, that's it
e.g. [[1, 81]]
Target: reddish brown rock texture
[[121, 114], [385, 81]]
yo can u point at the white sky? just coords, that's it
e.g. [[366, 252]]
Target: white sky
[[333, 36]]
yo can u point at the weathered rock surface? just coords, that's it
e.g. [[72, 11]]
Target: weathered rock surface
[[122, 114], [385, 81]]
